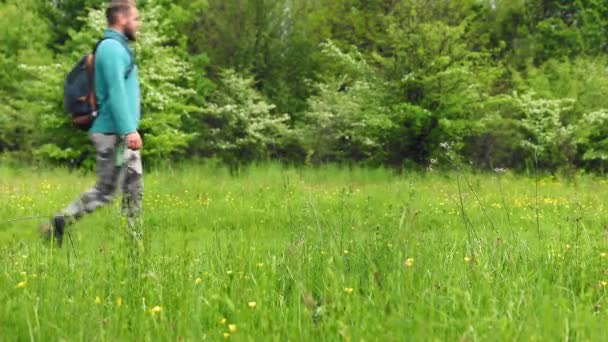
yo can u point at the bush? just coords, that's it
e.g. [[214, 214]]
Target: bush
[[238, 125]]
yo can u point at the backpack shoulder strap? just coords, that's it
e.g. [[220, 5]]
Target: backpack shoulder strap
[[90, 65], [99, 43], [131, 65]]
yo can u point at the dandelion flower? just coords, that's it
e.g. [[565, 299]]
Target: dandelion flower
[[409, 262], [603, 255], [252, 305], [226, 335], [156, 310], [21, 285], [603, 283], [260, 264], [346, 251], [222, 321], [119, 301], [348, 290], [232, 328], [198, 281], [97, 300], [23, 274], [467, 259]]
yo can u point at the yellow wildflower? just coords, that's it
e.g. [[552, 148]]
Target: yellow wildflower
[[198, 281], [222, 321], [348, 290], [409, 262], [467, 259], [21, 285], [156, 310], [226, 335], [119, 301], [252, 305], [232, 328], [97, 300]]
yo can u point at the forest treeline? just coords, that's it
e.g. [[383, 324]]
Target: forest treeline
[[504, 83]]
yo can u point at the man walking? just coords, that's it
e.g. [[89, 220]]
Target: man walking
[[118, 96]]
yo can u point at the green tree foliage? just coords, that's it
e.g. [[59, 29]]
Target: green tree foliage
[[346, 118], [23, 41], [592, 138], [366, 81]]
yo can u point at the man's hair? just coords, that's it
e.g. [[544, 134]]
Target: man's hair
[[116, 7]]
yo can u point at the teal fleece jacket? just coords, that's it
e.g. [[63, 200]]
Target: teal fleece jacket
[[118, 94]]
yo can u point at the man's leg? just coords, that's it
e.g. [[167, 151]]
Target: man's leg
[[132, 187], [107, 179], [132, 192], [102, 193]]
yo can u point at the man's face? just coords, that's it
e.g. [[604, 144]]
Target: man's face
[[130, 23]]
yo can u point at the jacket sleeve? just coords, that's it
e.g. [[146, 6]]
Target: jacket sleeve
[[113, 61]]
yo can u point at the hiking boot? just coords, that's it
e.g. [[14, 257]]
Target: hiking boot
[[54, 229]]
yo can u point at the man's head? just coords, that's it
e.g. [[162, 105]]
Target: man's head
[[123, 16]]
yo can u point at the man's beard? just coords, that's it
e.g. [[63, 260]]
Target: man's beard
[[130, 35]]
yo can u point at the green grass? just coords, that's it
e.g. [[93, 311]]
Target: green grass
[[323, 253]]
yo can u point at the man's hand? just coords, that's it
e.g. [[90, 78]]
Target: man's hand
[[134, 141]]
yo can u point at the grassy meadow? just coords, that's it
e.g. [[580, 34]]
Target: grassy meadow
[[328, 254]]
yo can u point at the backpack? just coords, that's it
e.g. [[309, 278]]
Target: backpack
[[79, 89]]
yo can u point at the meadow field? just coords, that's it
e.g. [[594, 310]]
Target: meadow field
[[325, 254]]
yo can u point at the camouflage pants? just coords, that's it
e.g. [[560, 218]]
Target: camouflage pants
[[115, 165]]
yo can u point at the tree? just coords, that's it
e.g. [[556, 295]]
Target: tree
[[23, 41]]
